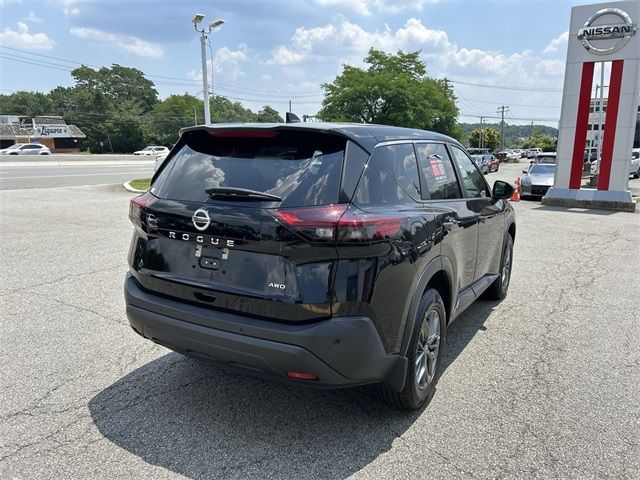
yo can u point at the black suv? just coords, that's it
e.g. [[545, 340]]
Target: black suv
[[321, 254]]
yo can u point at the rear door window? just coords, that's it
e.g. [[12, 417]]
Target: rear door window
[[303, 168], [439, 177], [471, 177], [390, 177]]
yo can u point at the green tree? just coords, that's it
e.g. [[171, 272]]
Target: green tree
[[119, 84], [268, 115], [170, 115], [124, 129], [393, 90], [540, 140], [490, 138], [225, 110], [24, 103]]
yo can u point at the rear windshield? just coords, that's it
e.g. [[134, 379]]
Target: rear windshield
[[303, 168]]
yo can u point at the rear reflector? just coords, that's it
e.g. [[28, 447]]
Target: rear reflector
[[302, 376], [340, 223], [243, 133]]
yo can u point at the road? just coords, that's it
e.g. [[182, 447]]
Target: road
[[51, 176], [542, 385]]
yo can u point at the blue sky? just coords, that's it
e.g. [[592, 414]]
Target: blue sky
[[269, 52]]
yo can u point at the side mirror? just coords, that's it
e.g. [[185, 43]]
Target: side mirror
[[502, 190]]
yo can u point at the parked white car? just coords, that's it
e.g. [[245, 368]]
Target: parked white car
[[152, 150], [634, 165], [26, 149], [532, 152]]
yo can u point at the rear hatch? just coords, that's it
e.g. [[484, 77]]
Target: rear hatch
[[234, 220]]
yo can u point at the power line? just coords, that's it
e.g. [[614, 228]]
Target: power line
[[175, 81], [504, 87]]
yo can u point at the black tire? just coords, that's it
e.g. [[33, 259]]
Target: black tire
[[637, 174], [418, 393], [498, 289]]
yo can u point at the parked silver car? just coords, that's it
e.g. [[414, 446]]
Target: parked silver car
[[538, 179], [545, 157], [26, 149]]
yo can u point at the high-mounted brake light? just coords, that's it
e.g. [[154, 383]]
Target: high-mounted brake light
[[340, 223], [243, 133], [302, 376]]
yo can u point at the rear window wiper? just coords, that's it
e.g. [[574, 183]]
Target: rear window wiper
[[241, 194]]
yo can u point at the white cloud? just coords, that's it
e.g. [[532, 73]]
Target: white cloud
[[550, 68], [33, 18], [366, 7], [69, 7], [358, 6], [227, 64], [21, 38], [353, 41], [126, 43], [266, 77], [285, 56], [556, 43]]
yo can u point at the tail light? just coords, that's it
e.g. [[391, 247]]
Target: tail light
[[339, 223], [138, 213]]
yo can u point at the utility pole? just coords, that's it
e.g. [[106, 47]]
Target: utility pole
[[501, 110], [289, 106], [482, 131]]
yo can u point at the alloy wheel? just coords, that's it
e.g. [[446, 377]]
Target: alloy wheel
[[428, 349]]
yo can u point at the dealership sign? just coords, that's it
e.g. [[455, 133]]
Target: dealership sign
[[54, 131], [593, 33], [605, 37]]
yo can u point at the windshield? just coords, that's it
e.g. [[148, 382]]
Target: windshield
[[541, 169], [302, 168]]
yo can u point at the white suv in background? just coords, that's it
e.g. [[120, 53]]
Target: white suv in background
[[26, 149], [634, 164], [152, 150]]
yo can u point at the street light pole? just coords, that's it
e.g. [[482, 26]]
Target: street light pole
[[205, 80], [481, 131], [203, 53]]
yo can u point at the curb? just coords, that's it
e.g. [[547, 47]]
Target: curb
[[127, 186]]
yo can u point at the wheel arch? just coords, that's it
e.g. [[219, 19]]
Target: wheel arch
[[511, 230], [437, 274]]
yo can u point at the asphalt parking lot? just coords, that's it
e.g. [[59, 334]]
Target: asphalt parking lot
[[541, 385]]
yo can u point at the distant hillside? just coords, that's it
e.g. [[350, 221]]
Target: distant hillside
[[513, 133]]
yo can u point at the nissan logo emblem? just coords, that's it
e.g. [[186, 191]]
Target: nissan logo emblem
[[609, 31], [201, 219]]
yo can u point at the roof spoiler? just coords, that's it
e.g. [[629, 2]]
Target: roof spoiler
[[292, 118]]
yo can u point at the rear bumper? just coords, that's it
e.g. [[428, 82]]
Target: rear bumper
[[341, 351]]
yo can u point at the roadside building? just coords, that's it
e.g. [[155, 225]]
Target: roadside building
[[593, 130], [50, 130]]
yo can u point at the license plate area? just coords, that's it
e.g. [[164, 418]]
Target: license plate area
[[210, 263]]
